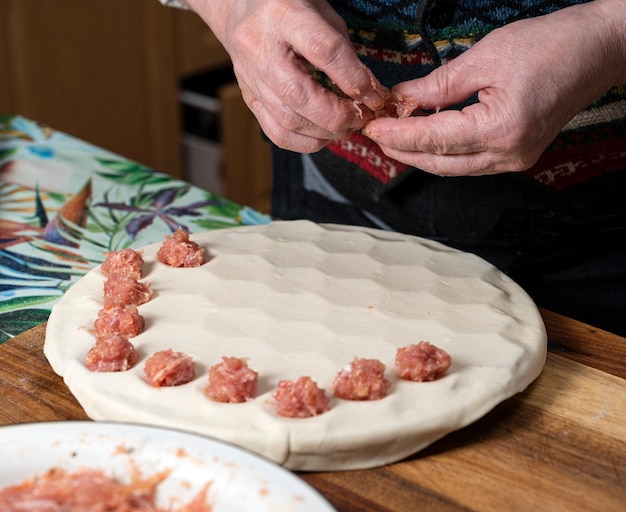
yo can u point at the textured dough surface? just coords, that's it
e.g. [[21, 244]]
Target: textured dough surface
[[297, 298]]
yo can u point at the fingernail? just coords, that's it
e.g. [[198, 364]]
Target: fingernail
[[374, 101], [368, 132]]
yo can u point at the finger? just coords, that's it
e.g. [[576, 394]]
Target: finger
[[443, 133], [290, 120], [328, 49], [282, 137], [451, 84], [470, 164], [301, 104], [466, 164]]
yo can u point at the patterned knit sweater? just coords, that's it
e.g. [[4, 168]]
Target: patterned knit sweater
[[401, 39]]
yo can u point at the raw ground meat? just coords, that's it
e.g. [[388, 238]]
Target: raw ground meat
[[122, 320], [169, 368], [89, 490], [123, 290], [300, 398], [112, 354], [179, 251], [231, 381], [362, 379], [126, 262], [422, 362], [397, 106]]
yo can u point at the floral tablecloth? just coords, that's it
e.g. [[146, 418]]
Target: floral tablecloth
[[64, 203]]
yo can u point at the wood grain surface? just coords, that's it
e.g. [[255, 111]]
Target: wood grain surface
[[559, 445]]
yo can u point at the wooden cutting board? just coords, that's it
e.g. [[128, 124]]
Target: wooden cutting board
[[559, 445]]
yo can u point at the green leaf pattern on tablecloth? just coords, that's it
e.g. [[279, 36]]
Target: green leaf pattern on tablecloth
[[64, 203]]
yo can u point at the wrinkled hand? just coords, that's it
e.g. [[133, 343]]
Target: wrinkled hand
[[531, 77], [273, 45]]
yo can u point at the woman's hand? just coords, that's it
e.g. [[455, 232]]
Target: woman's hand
[[531, 78], [273, 45]]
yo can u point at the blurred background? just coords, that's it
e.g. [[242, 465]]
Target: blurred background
[[148, 82]]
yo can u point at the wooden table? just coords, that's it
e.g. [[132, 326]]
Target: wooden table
[[560, 445]]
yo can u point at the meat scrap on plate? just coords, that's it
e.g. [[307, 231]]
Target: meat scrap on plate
[[91, 490]]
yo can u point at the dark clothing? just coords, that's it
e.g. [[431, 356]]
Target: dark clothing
[[572, 264], [558, 229]]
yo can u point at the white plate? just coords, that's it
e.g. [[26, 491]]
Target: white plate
[[240, 481]]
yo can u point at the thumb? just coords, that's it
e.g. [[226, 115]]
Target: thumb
[[450, 84]]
